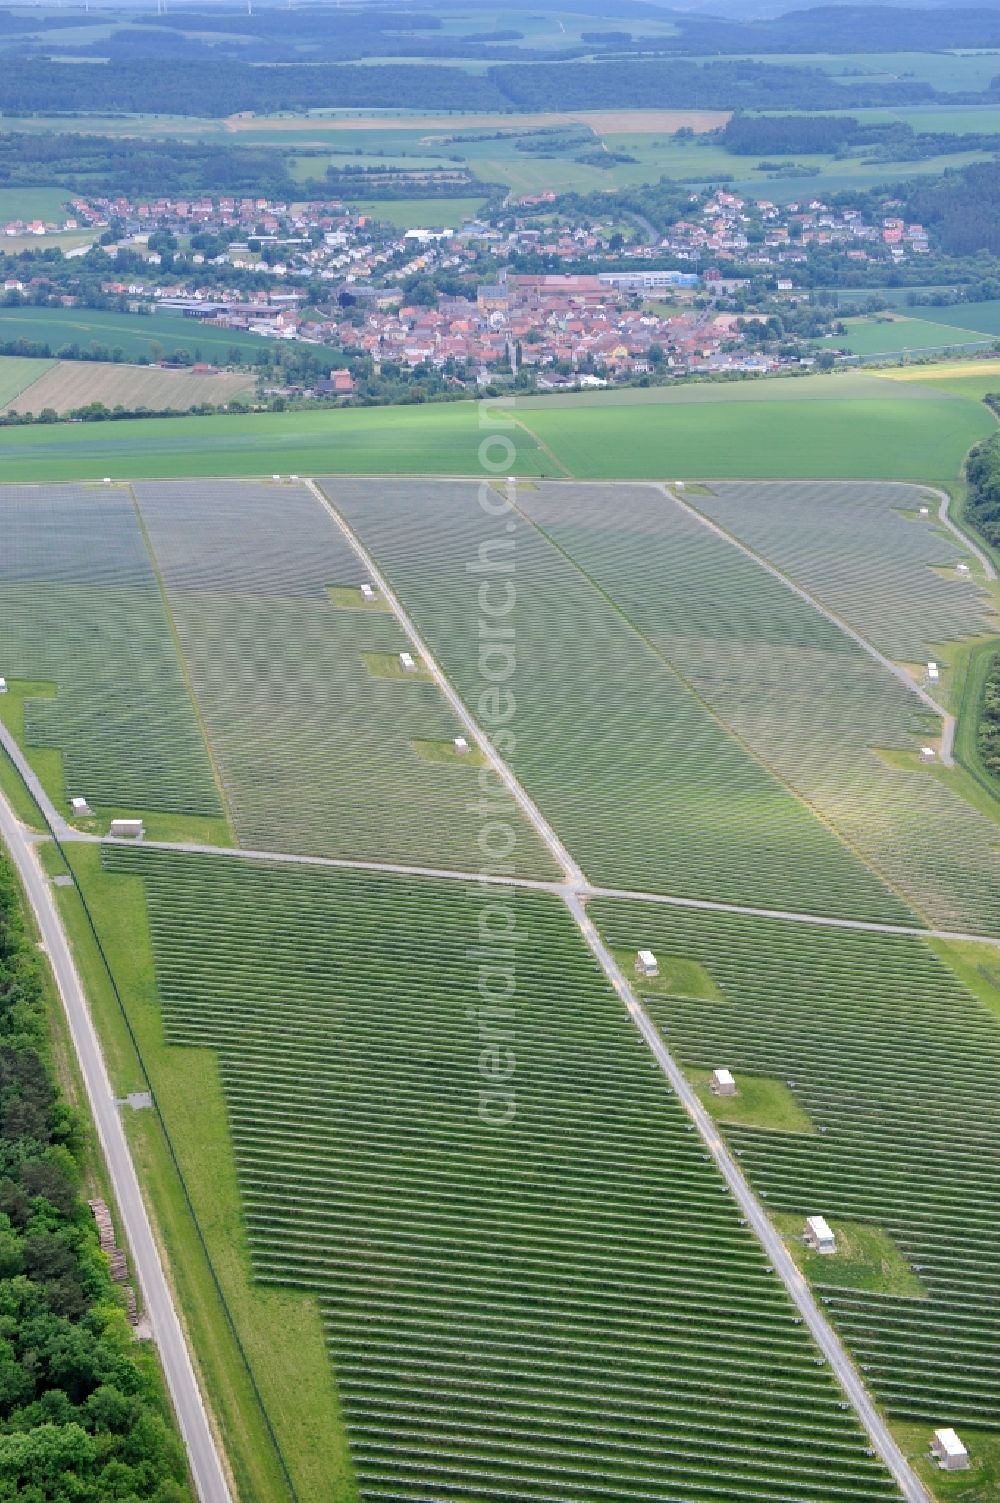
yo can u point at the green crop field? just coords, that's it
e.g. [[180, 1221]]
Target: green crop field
[[80, 612], [425, 213], [789, 684], [440, 439], [48, 204], [879, 1042], [315, 753], [984, 317], [16, 375], [134, 334], [639, 779], [847, 426], [882, 335], [835, 428], [507, 1315]]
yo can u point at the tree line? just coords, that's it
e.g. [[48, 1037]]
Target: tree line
[[82, 1419], [983, 474]]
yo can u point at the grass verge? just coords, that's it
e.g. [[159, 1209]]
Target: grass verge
[[760, 1101], [185, 1160], [980, 1484], [866, 1258]]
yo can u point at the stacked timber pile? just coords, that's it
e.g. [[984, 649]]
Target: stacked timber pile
[[115, 1256]]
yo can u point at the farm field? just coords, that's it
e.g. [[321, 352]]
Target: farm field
[[983, 317], [861, 1025], [17, 374], [847, 426], [975, 378], [788, 683], [504, 1313], [884, 335], [82, 619], [68, 384], [48, 204], [134, 334], [809, 429], [423, 213], [949, 72], [440, 439], [315, 752], [637, 776]]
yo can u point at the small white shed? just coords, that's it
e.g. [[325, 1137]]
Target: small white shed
[[406, 662], [723, 1082], [293, 477], [3, 686], [819, 1235], [927, 754], [646, 963], [79, 807], [275, 477], [933, 673], [367, 592], [128, 829], [461, 745], [963, 568], [948, 1451], [925, 511]]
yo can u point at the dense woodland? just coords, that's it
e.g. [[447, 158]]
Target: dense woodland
[[893, 141], [81, 1419], [219, 87], [988, 736], [983, 473], [962, 208], [133, 165]]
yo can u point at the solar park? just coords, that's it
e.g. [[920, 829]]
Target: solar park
[[715, 740]]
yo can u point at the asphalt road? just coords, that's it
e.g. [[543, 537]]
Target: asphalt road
[[206, 1466]]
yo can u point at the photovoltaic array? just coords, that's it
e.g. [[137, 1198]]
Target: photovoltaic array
[[81, 610], [314, 749], [798, 692], [894, 1061], [865, 552], [566, 1309], [637, 774]]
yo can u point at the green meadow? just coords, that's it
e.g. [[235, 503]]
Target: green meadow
[[134, 334], [846, 426]]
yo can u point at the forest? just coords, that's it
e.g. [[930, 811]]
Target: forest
[[962, 207], [983, 475], [219, 87], [82, 1419], [988, 732], [134, 165]]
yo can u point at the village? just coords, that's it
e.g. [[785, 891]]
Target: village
[[457, 299]]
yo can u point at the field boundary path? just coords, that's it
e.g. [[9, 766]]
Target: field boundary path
[[192, 1417]]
